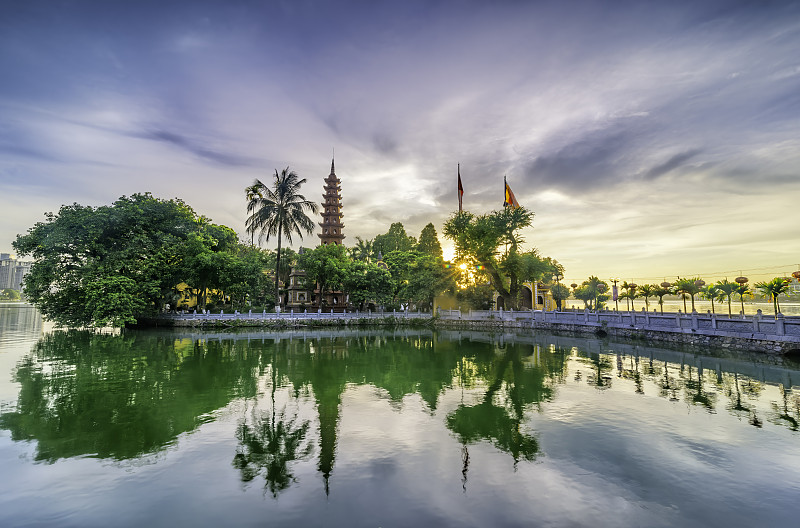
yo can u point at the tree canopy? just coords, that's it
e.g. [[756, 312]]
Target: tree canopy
[[429, 242], [113, 264], [395, 239], [493, 242]]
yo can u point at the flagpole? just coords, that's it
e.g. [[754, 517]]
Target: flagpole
[[460, 189]]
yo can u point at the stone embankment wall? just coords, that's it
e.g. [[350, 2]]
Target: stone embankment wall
[[772, 335], [779, 335]]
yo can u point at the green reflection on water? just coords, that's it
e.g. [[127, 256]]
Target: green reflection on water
[[122, 396], [130, 395]]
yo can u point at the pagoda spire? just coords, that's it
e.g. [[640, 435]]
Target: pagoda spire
[[331, 210]]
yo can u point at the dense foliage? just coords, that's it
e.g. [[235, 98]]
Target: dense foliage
[[9, 294], [492, 243], [401, 279], [113, 264]]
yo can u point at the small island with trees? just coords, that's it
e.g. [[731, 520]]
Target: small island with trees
[[143, 257]]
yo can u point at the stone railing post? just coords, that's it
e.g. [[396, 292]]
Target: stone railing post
[[585, 315], [713, 321], [695, 323], [780, 324], [756, 321], [678, 319]]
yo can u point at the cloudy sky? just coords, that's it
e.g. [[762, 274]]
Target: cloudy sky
[[651, 139]]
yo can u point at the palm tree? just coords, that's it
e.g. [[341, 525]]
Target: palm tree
[[660, 292], [627, 296], [632, 293], [362, 250], [278, 211], [773, 289], [625, 286], [741, 290], [647, 291], [725, 289], [687, 288], [710, 292]]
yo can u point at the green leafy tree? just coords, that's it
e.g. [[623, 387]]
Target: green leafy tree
[[280, 211], [476, 295], [559, 293], [592, 292], [10, 294], [492, 241], [325, 266], [366, 282], [401, 265], [210, 261], [107, 265], [554, 268], [429, 242], [725, 289], [396, 239], [774, 289], [428, 278]]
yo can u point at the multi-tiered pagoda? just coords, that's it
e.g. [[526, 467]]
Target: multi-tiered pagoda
[[331, 211]]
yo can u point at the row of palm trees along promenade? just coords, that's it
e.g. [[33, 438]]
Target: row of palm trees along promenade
[[340, 287]]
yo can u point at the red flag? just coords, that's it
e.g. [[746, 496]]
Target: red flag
[[460, 189]]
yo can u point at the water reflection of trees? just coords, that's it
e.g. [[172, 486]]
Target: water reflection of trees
[[269, 445], [513, 386], [693, 382], [124, 396]]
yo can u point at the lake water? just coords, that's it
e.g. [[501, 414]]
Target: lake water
[[398, 428]]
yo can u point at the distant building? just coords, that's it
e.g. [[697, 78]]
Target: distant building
[[12, 271]]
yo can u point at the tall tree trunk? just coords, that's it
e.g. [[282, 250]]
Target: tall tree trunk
[[278, 267]]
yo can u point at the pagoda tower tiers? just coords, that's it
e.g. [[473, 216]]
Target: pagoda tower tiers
[[331, 211]]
